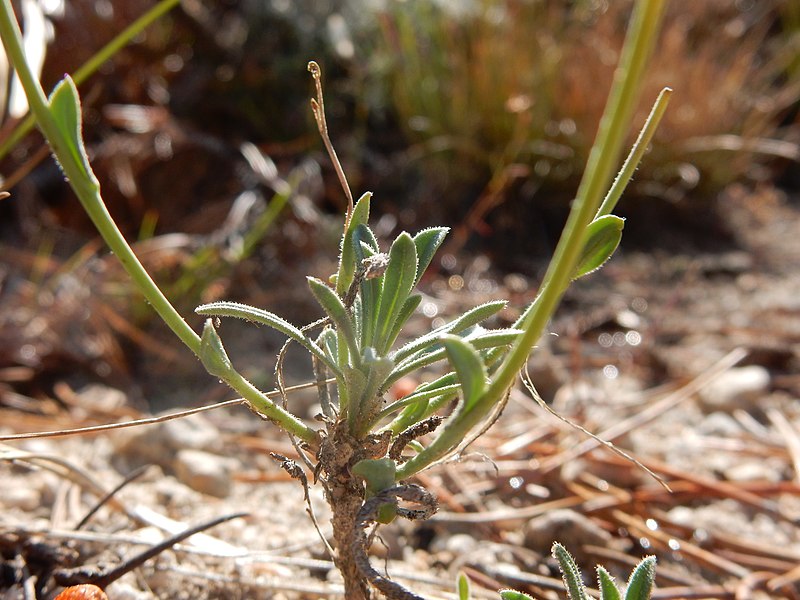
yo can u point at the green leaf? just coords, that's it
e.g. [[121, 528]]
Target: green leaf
[[365, 245], [347, 258], [212, 352], [408, 308], [514, 595], [413, 413], [451, 389], [463, 586], [398, 281], [335, 309], [469, 368], [377, 369], [258, 315], [602, 238], [468, 319], [65, 107], [378, 473], [608, 589], [427, 243], [482, 340], [355, 382], [570, 573], [328, 341], [642, 580]]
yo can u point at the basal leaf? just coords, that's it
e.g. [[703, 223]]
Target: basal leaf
[[482, 340], [365, 245], [608, 589], [65, 107], [258, 315], [347, 258], [463, 586], [335, 309], [570, 573], [468, 319], [642, 580], [398, 281], [514, 595], [427, 243], [408, 308], [469, 368], [603, 237]]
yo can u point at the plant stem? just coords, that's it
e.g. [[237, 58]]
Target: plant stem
[[605, 153], [87, 189]]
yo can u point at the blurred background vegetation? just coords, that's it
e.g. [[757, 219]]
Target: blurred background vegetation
[[477, 115]]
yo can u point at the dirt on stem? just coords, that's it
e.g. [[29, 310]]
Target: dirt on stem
[[345, 494]]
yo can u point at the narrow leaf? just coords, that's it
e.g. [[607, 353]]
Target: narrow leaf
[[377, 369], [365, 245], [514, 595], [398, 281], [469, 368], [570, 573], [642, 580], [347, 259], [485, 340], [427, 243], [65, 107], [335, 309], [258, 315], [463, 586], [212, 352], [355, 383], [468, 319], [608, 589], [408, 308], [602, 238], [451, 389]]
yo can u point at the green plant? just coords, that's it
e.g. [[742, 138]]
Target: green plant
[[366, 449], [639, 587], [640, 584]]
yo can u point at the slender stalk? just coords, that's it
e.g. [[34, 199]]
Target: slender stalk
[[87, 189], [605, 153], [90, 66], [637, 152]]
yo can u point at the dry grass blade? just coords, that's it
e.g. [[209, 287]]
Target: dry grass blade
[[791, 436], [654, 411], [526, 380], [138, 422]]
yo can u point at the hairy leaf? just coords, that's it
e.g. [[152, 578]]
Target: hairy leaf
[[570, 573], [427, 243], [398, 281], [468, 319], [469, 368], [608, 589], [642, 580], [347, 259], [408, 308], [603, 237], [212, 352], [258, 315], [514, 595], [335, 309], [65, 107]]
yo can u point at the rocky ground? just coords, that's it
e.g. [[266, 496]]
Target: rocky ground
[[685, 358]]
